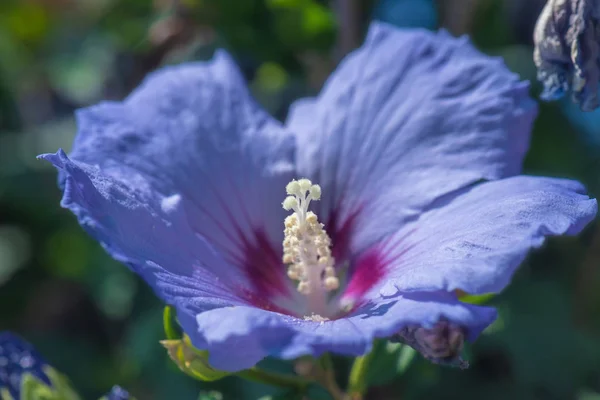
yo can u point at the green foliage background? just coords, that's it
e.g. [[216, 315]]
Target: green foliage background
[[100, 325]]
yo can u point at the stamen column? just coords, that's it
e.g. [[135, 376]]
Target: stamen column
[[306, 247]]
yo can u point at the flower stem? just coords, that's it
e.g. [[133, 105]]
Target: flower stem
[[170, 330], [357, 382], [275, 379], [327, 378]]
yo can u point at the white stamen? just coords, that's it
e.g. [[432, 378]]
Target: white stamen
[[304, 184], [315, 192], [289, 203], [293, 188], [306, 247]]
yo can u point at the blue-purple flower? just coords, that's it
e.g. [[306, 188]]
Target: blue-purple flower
[[567, 51], [403, 187], [18, 358], [117, 393]]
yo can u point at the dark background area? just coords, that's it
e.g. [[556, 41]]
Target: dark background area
[[100, 325]]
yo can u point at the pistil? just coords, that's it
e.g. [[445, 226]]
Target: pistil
[[307, 248]]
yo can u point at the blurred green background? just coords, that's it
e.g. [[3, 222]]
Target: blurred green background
[[100, 325]]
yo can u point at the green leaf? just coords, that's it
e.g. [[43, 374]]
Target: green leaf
[[391, 361], [5, 394], [588, 395], [405, 358], [284, 396], [212, 395], [34, 389], [61, 385]]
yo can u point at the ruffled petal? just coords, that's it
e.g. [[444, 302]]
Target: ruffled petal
[[406, 119], [185, 175], [476, 242], [239, 337], [156, 243], [567, 51]]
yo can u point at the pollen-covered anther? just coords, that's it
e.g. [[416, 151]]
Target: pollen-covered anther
[[306, 246]]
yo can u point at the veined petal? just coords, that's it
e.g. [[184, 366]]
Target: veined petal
[[157, 244], [239, 337], [409, 117], [182, 181], [476, 242]]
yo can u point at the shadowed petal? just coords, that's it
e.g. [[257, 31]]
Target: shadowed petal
[[476, 242], [239, 337], [185, 175], [407, 118]]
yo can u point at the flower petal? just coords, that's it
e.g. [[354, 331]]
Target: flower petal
[[136, 231], [186, 174], [476, 242], [407, 118], [239, 337]]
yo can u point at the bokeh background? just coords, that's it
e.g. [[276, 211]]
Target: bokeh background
[[100, 325]]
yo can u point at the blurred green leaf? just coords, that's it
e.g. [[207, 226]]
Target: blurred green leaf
[[271, 77], [66, 253], [212, 395], [15, 250], [588, 395], [34, 389], [390, 361]]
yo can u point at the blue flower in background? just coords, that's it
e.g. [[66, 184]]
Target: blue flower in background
[[416, 142], [407, 13], [567, 44], [117, 393], [18, 358]]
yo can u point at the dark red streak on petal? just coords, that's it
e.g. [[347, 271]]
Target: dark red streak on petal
[[340, 234], [264, 269], [262, 302], [368, 270]]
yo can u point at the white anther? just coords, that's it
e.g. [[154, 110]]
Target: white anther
[[329, 272], [293, 188], [332, 283], [323, 251], [303, 287], [311, 217], [289, 203], [291, 221], [304, 184], [293, 274], [315, 192], [324, 260], [288, 258]]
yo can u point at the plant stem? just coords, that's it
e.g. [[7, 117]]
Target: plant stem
[[327, 379], [170, 331], [357, 383], [275, 379]]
